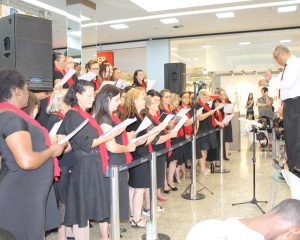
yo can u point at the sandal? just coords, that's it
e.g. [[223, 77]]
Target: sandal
[[162, 199], [135, 224]]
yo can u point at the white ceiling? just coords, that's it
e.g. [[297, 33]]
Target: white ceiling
[[196, 24]]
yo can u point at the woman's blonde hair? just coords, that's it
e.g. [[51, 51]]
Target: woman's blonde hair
[[56, 100], [131, 96]]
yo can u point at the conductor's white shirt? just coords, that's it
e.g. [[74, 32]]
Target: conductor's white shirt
[[290, 84]]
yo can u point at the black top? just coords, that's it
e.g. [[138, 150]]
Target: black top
[[42, 116], [207, 122], [23, 193]]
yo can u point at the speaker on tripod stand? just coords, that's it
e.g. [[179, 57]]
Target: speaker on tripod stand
[[175, 77]]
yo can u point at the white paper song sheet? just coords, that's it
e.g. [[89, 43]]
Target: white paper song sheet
[[88, 76], [220, 106], [55, 128], [180, 123], [135, 140], [228, 118], [182, 112], [228, 108], [168, 118], [74, 132], [69, 74], [116, 128], [150, 84], [145, 124]]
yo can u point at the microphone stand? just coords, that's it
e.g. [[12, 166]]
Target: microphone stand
[[254, 200], [191, 192]]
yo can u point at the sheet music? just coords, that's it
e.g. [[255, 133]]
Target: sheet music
[[180, 123], [219, 107], [74, 132], [55, 128], [228, 118], [150, 84], [168, 118], [135, 140], [68, 75], [121, 125], [145, 124], [88, 76], [228, 108]]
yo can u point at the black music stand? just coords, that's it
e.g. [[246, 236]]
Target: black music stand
[[254, 200]]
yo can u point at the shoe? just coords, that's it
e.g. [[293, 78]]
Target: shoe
[[146, 212], [122, 230], [160, 208], [173, 188], [227, 159], [167, 191], [135, 224]]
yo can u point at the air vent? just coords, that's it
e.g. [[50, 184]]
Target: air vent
[[177, 26]]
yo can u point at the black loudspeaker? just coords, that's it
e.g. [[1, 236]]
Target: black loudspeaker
[[27, 47], [175, 77]]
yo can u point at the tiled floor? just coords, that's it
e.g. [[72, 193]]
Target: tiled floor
[[180, 214]]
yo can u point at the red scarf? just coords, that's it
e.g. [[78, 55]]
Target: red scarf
[[26, 117], [59, 114], [97, 84], [181, 130], [128, 156], [70, 81], [143, 85], [94, 124], [220, 116], [207, 108], [156, 120], [188, 129]]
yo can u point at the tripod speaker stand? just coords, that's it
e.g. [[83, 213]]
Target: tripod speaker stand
[[254, 200]]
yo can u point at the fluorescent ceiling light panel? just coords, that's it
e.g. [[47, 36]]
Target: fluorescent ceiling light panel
[[285, 40], [244, 43], [169, 20], [174, 49], [206, 46], [225, 15], [195, 12], [84, 18], [119, 26], [163, 5], [287, 9]]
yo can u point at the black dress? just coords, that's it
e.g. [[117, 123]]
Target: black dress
[[139, 176], [160, 160], [23, 194], [118, 159], [208, 141], [66, 163], [88, 188], [228, 132]]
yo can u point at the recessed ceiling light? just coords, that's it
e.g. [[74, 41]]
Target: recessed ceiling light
[[244, 43], [285, 40], [174, 49], [225, 15], [206, 46], [195, 59], [287, 9], [169, 20], [119, 26]]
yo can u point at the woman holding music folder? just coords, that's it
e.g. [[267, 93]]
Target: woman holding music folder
[[119, 147], [162, 142], [29, 161], [88, 188], [139, 176]]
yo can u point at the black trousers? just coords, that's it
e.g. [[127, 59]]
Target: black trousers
[[291, 122]]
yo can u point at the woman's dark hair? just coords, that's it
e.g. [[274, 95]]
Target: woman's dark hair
[[10, 79], [153, 93], [106, 93], [33, 101], [135, 80], [77, 87], [265, 89], [249, 96], [216, 100], [56, 56]]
